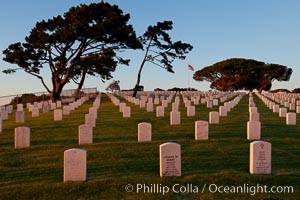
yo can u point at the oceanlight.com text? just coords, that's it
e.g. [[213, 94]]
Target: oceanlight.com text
[[211, 188]]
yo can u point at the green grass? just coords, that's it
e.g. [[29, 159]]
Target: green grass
[[116, 159]]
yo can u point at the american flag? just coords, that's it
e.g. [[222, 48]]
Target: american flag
[[190, 67]]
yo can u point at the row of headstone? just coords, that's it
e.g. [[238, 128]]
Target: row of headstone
[[85, 131], [57, 114], [290, 117], [201, 127], [254, 124], [75, 161], [123, 108], [290, 101], [22, 133], [260, 151], [145, 131]]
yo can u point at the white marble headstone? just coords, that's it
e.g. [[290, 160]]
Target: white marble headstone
[[85, 134], [20, 116], [253, 130], [201, 130], [291, 118], [144, 132], [66, 110], [190, 111], [282, 112], [174, 118], [260, 157], [75, 164], [126, 111], [170, 159], [214, 117], [58, 115], [22, 137], [160, 111]]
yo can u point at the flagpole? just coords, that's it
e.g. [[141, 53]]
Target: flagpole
[[188, 76], [190, 68]]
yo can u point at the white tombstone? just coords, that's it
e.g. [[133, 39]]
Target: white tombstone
[[252, 109], [291, 118], [254, 116], [85, 134], [58, 115], [144, 132], [4, 114], [297, 109], [90, 120], [58, 104], [201, 130], [253, 130], [187, 103], [46, 107], [20, 116], [9, 108], [121, 106], [292, 106], [209, 104], [215, 102], [260, 157], [174, 118], [170, 159], [160, 111], [223, 111], [214, 117], [156, 100], [35, 112], [75, 165], [126, 111], [165, 103], [93, 111], [66, 110], [53, 106], [19, 107], [175, 106], [275, 108], [142, 104], [203, 100], [190, 111], [22, 137], [72, 106], [282, 112], [149, 107]]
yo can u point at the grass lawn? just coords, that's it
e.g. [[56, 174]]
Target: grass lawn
[[116, 161]]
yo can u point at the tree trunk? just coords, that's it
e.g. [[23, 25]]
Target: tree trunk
[[80, 84], [136, 88], [55, 94], [56, 90]]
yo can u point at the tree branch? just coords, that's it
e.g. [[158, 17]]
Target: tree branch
[[41, 79]]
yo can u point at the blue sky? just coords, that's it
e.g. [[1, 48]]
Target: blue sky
[[264, 30]]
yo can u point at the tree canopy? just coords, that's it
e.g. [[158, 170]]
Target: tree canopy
[[242, 74], [114, 86], [159, 49], [84, 41]]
